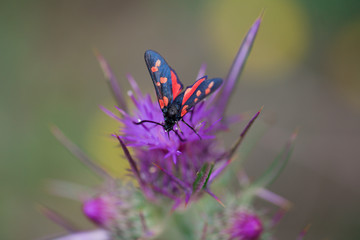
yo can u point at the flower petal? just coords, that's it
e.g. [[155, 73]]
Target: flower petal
[[75, 150], [114, 84], [202, 71], [237, 67]]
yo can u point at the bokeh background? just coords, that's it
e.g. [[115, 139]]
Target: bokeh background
[[305, 69]]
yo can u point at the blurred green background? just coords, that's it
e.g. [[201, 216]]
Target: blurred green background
[[305, 69]]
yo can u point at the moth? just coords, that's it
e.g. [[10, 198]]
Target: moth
[[175, 102]]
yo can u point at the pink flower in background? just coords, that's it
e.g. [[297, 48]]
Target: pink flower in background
[[244, 225]]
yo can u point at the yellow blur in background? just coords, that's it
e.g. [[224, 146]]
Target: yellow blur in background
[[282, 42], [104, 147]]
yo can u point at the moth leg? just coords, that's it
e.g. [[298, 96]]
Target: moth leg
[[191, 128], [177, 123], [177, 134], [192, 113]]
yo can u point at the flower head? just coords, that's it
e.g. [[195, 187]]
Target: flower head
[[245, 225], [101, 209], [180, 163], [114, 207], [171, 164]]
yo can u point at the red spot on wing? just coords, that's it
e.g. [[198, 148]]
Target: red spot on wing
[[176, 87], [161, 102], [198, 93], [211, 84], [208, 89], [166, 101], [191, 90], [163, 79], [157, 64], [184, 110], [158, 84]]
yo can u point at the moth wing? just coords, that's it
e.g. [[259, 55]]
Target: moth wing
[[166, 82], [193, 94]]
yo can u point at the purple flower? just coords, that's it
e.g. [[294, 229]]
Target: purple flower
[[238, 221], [244, 225], [116, 211], [101, 209], [170, 166], [114, 207]]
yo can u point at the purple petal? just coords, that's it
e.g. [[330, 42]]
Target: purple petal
[[69, 190], [114, 84], [243, 133], [174, 158], [303, 232], [237, 66], [175, 179], [274, 198], [202, 71], [231, 152], [109, 113], [219, 170], [175, 205], [215, 197], [57, 218], [79, 154], [131, 95], [134, 85], [277, 217], [122, 111], [133, 165], [187, 197]]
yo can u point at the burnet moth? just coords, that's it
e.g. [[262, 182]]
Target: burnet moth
[[173, 101]]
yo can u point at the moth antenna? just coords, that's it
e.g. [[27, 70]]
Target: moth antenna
[[191, 128], [148, 121]]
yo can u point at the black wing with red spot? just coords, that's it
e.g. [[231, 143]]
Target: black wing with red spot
[[193, 94], [167, 84]]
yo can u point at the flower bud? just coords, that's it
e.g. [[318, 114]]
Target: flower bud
[[245, 226], [100, 209]]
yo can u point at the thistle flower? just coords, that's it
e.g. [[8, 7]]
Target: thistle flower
[[170, 166], [239, 220], [236, 223], [244, 225], [180, 165], [117, 212], [101, 209], [113, 208]]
